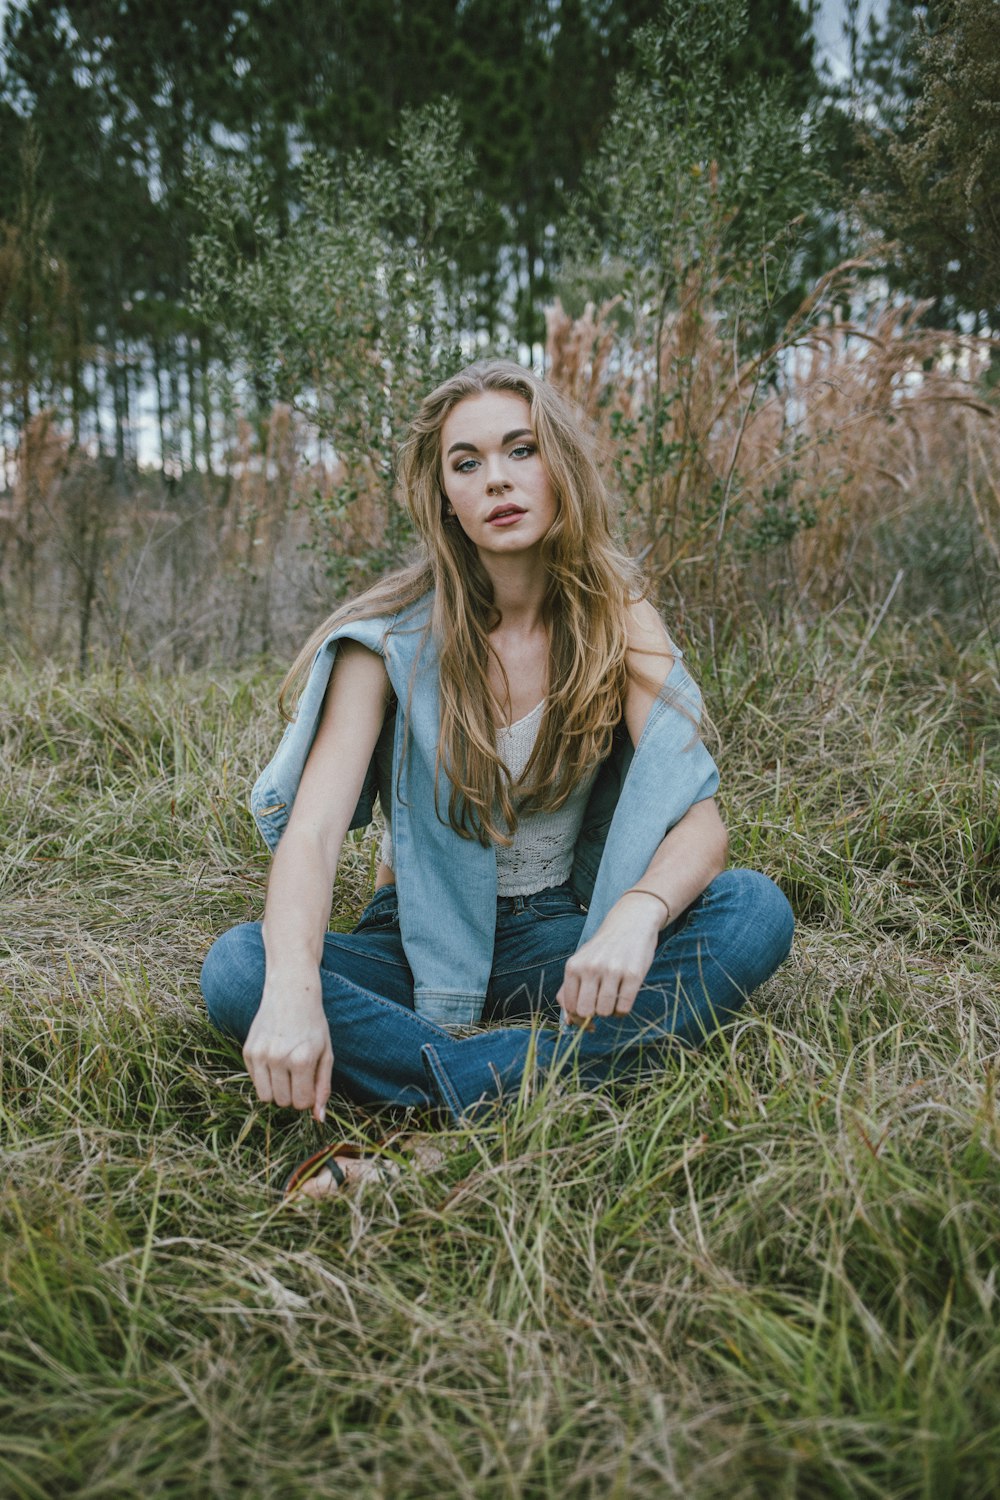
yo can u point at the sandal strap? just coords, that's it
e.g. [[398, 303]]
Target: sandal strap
[[325, 1158]]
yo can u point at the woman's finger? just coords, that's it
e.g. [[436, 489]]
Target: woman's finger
[[323, 1086], [627, 991], [607, 996], [586, 999], [567, 992], [281, 1088], [302, 1085], [260, 1078]]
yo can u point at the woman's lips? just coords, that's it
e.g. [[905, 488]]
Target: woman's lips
[[504, 515]]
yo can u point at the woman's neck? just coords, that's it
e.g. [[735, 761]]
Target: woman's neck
[[518, 667], [519, 588]]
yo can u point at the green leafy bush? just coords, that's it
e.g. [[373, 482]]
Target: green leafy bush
[[354, 312], [685, 229]]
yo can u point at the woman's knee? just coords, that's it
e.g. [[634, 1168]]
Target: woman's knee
[[232, 979], [747, 926], [758, 918]]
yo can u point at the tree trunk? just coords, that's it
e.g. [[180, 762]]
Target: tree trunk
[[192, 400], [206, 402], [161, 426]]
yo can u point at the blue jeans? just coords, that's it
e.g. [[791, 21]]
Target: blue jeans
[[707, 963]]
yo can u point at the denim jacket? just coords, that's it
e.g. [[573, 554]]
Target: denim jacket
[[447, 885]]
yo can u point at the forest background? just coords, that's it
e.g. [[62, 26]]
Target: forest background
[[236, 244]]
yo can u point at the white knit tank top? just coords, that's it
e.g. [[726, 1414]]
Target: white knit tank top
[[542, 851]]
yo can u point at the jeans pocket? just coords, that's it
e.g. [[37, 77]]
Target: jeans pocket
[[381, 912]]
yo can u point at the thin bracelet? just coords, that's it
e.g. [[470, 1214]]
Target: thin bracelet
[[642, 890]]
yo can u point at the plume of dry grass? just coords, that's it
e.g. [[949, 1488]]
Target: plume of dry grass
[[152, 569], [773, 1272], [793, 477], [851, 460]]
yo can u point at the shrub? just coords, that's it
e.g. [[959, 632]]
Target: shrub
[[355, 312]]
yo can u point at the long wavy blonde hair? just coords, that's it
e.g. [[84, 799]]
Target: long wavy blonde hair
[[591, 586]]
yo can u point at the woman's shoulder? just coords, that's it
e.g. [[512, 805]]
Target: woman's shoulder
[[373, 627], [646, 632], [651, 659]]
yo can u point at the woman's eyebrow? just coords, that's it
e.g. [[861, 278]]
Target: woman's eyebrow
[[508, 437]]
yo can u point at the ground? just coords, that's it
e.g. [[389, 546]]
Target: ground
[[774, 1273]]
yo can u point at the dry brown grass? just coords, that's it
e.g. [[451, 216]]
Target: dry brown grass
[[854, 460], [771, 1272], [779, 480], [164, 570]]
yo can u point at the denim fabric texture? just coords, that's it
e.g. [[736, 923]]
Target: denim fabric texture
[[635, 800], [385, 1053]]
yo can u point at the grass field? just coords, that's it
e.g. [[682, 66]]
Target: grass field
[[774, 1273]]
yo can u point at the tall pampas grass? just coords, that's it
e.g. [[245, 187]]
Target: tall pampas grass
[[776, 480]]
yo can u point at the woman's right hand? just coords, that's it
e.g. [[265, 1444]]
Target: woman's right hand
[[287, 1051]]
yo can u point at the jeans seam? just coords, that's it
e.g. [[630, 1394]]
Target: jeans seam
[[338, 942], [392, 1005], [547, 914], [441, 1080], [375, 958], [542, 963]]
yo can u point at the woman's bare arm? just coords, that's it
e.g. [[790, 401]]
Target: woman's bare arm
[[604, 976], [287, 1050]]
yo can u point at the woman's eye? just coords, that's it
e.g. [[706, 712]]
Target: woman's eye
[[523, 450], [466, 466]]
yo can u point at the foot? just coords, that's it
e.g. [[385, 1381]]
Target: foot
[[342, 1172]]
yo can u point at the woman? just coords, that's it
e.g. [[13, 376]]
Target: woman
[[554, 850]]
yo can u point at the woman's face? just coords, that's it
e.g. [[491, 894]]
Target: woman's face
[[494, 478]]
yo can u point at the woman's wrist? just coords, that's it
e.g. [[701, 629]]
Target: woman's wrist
[[655, 901], [292, 986]]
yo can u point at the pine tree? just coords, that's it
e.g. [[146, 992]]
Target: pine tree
[[933, 170]]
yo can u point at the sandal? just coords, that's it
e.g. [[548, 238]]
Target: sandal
[[323, 1160], [326, 1160]]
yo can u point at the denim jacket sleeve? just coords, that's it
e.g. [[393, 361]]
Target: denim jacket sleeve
[[639, 795], [275, 788]]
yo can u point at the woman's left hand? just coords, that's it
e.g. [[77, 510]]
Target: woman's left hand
[[604, 976]]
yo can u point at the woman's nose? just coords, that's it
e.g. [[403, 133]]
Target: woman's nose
[[496, 482]]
